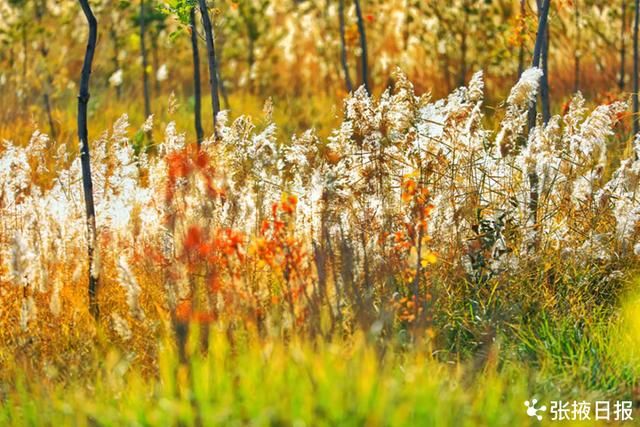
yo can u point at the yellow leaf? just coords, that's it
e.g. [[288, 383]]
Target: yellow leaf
[[429, 258]]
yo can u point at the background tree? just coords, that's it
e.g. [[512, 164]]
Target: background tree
[[520, 36], [544, 81], [85, 159], [117, 25], [197, 113], [578, 50], [636, 23], [539, 58], [185, 13], [211, 59], [156, 24], [142, 18], [364, 60], [460, 24], [250, 13], [539, 61], [40, 9], [623, 27], [22, 30], [343, 48]]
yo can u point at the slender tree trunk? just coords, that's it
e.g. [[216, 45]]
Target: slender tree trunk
[[211, 57], [578, 49], [113, 35], [363, 47], [446, 65], [25, 60], [463, 48], [87, 184], [251, 59], [521, 50], [143, 53], [543, 14], [463, 59], [343, 48], [47, 108], [251, 45], [221, 85], [539, 60], [196, 76], [48, 80], [155, 61], [223, 90], [623, 27], [636, 119], [544, 82], [47, 105], [25, 51]]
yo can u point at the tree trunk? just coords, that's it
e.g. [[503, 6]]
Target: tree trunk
[[544, 82], [363, 47], [636, 123], [251, 59], [521, 50], [25, 51], [196, 76], [48, 80], [463, 48], [116, 63], [143, 53], [155, 61], [543, 14], [251, 45], [223, 90], [539, 56], [463, 59], [343, 49], [221, 86], [211, 57], [446, 65], [47, 108], [623, 27], [87, 184], [578, 49]]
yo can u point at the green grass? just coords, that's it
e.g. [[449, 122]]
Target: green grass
[[272, 382]]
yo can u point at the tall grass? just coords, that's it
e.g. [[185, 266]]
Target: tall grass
[[404, 270]]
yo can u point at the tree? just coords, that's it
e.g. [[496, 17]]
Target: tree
[[40, 10], [458, 28], [363, 47], [185, 12], [157, 25], [250, 13], [143, 54], [115, 18], [343, 48], [521, 24], [538, 53], [544, 81], [196, 75], [623, 27], [636, 120], [85, 160], [211, 57], [578, 50], [28, 26]]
